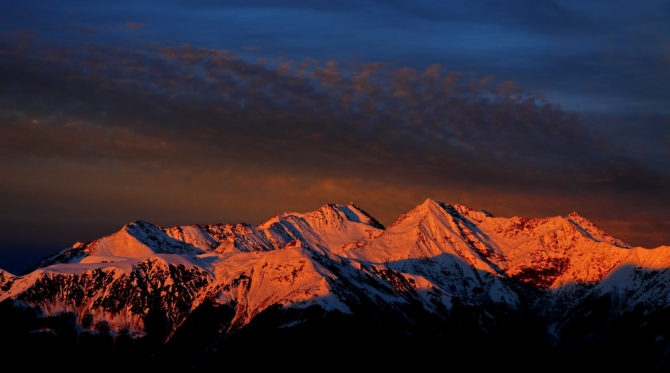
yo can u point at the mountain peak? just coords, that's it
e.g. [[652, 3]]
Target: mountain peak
[[430, 204], [472, 214], [140, 223], [338, 215], [593, 231], [428, 207], [452, 261]]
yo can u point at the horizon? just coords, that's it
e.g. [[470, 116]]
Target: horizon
[[179, 113], [21, 264]]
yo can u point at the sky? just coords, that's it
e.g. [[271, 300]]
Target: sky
[[183, 112]]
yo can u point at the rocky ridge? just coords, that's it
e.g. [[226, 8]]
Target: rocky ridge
[[435, 261]]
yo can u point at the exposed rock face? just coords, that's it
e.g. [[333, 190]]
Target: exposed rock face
[[120, 297], [451, 265]]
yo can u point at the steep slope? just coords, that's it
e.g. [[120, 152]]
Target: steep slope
[[250, 283], [138, 239], [435, 241], [6, 280], [439, 269], [329, 227], [123, 295], [550, 252], [637, 283]]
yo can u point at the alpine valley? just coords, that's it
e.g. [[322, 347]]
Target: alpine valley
[[443, 286]]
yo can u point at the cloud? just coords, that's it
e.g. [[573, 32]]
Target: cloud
[[134, 26], [25, 36], [188, 121], [432, 118]]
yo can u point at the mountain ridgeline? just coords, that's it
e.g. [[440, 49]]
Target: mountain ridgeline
[[335, 284]]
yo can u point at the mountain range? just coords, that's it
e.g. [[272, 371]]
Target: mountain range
[[335, 284]]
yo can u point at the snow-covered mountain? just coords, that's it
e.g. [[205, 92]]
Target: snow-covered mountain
[[439, 268]]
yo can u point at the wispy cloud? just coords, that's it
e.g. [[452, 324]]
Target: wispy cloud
[[134, 26], [187, 118]]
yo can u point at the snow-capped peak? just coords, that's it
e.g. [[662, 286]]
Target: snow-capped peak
[[437, 258], [138, 239], [472, 214], [593, 231]]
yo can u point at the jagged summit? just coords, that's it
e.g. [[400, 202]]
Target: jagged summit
[[337, 215], [470, 213], [428, 207], [435, 260], [594, 231], [138, 239], [139, 223]]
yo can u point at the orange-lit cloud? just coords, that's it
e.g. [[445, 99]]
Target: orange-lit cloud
[[186, 134]]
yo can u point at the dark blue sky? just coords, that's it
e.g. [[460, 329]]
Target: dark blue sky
[[184, 112]]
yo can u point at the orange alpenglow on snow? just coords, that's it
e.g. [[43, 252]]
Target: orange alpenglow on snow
[[435, 252]]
